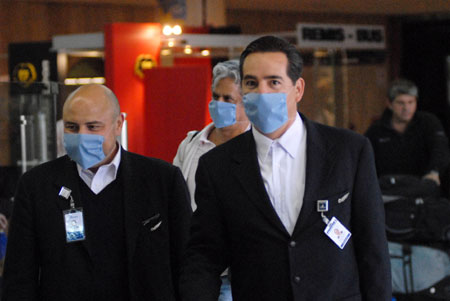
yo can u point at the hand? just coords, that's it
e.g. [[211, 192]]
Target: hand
[[3, 223], [434, 176]]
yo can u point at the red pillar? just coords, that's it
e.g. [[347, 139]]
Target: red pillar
[[124, 42]]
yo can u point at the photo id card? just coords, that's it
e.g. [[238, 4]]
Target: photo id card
[[337, 232], [73, 219]]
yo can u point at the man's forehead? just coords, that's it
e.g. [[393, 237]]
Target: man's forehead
[[69, 120], [404, 98], [271, 64], [80, 111], [84, 104], [91, 100]]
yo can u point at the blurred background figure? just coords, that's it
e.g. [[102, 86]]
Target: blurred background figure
[[229, 120], [407, 141]]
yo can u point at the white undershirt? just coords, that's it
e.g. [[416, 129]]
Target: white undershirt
[[105, 174], [283, 167]]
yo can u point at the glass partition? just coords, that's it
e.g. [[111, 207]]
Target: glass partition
[[28, 119], [28, 131], [344, 88]]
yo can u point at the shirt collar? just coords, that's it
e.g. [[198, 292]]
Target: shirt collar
[[289, 141], [205, 133], [114, 164]]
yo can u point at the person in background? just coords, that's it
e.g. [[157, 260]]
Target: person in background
[[407, 141], [229, 120], [99, 223], [293, 207]]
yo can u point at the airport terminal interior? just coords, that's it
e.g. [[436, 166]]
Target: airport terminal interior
[[157, 56]]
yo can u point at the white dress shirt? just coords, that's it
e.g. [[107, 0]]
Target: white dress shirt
[[283, 167], [104, 175], [189, 152]]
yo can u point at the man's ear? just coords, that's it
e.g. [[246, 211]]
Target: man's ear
[[299, 89], [119, 123]]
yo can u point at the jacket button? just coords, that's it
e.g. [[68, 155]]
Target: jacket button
[[297, 279], [292, 244]]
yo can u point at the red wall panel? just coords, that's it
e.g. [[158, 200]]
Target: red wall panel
[[124, 42], [176, 102]]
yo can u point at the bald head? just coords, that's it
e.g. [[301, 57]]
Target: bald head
[[94, 109], [94, 95]]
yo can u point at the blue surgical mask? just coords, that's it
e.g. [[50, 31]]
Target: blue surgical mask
[[267, 111], [222, 113], [85, 149]]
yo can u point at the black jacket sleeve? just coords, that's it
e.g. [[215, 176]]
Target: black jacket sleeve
[[438, 148], [205, 259], [21, 270]]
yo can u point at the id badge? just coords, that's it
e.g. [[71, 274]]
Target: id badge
[[73, 219], [337, 232]]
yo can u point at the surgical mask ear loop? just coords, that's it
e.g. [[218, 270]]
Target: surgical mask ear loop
[[116, 140]]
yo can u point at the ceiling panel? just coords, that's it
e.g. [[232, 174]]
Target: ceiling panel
[[378, 7], [383, 7]]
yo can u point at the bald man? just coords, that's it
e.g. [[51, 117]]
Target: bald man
[[100, 223]]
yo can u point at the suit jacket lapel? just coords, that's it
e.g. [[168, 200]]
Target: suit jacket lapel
[[319, 161], [248, 173], [136, 203]]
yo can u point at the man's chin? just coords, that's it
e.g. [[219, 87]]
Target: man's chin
[[406, 119]]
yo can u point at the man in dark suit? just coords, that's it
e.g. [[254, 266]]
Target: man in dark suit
[[292, 206], [101, 223]]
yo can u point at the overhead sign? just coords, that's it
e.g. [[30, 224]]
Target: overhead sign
[[311, 35]]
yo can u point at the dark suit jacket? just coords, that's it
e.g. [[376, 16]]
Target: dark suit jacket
[[236, 225], [40, 265]]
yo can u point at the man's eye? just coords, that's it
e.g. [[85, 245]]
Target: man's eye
[[93, 127], [275, 82], [228, 99], [70, 127], [250, 83]]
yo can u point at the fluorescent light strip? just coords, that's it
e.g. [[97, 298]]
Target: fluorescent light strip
[[84, 81]]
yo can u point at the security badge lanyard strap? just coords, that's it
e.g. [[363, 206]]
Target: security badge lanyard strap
[[334, 229], [73, 218]]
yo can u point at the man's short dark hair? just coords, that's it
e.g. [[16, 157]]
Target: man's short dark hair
[[276, 44], [402, 86]]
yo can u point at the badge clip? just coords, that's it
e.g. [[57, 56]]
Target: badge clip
[[66, 193], [322, 207]]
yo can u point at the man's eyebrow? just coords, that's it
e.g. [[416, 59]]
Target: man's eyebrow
[[248, 76], [273, 77], [69, 123]]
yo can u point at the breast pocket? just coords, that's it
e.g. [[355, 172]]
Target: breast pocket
[[152, 223], [154, 232], [339, 206]]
